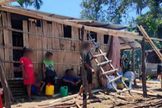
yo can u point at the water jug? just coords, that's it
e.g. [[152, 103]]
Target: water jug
[[63, 91], [49, 89]]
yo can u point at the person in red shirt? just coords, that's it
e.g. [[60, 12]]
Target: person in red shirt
[[27, 70]]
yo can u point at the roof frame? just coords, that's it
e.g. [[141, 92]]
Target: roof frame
[[103, 31]]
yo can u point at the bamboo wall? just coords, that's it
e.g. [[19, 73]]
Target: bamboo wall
[[48, 37]]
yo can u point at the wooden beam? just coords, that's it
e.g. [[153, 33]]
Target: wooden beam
[[88, 28], [83, 71], [150, 41], [70, 97], [128, 43], [3, 2], [156, 39], [7, 93], [149, 94], [81, 21], [143, 69], [134, 64]]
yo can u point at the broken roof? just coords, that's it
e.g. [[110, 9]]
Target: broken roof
[[95, 26]]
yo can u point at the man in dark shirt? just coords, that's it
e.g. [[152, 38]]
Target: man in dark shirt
[[71, 81], [88, 68]]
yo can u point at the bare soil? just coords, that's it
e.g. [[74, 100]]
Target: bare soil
[[103, 100]]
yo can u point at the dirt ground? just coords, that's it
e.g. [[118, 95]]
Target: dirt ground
[[103, 100]]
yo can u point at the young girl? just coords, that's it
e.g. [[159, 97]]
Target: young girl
[[27, 70], [48, 68]]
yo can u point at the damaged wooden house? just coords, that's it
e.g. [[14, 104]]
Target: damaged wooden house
[[43, 32]]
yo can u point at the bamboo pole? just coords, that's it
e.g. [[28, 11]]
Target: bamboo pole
[[7, 93], [84, 74], [143, 69]]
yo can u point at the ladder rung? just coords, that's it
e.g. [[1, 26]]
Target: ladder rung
[[91, 40], [111, 71], [115, 79], [106, 62], [98, 55], [94, 47]]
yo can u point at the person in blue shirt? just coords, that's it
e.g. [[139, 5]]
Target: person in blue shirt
[[70, 80]]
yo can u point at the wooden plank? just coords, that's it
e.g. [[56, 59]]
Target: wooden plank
[[151, 42], [119, 96], [33, 43], [40, 55], [2, 2], [1, 40], [149, 94], [44, 38], [71, 97], [94, 29], [99, 38], [55, 32], [25, 36], [10, 70], [7, 42], [1, 32], [75, 32], [49, 39]]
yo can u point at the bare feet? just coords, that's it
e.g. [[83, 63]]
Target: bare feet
[[29, 99], [91, 96], [80, 97]]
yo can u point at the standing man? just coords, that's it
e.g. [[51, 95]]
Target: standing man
[[88, 69]]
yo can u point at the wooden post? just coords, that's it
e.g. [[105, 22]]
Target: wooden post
[[133, 64], [143, 69], [161, 81], [84, 74], [5, 86]]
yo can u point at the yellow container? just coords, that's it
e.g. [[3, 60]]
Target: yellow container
[[49, 90], [120, 85]]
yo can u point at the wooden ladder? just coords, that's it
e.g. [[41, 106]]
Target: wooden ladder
[[107, 61]]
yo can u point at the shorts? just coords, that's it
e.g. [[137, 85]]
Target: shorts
[[89, 78]]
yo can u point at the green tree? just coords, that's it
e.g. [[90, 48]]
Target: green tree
[[114, 10], [25, 3], [93, 10]]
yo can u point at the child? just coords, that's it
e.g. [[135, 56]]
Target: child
[[37, 87], [88, 69], [27, 70], [71, 81], [48, 68]]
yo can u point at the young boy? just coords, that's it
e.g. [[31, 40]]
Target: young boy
[[71, 81], [27, 70], [48, 68], [38, 86], [88, 69]]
